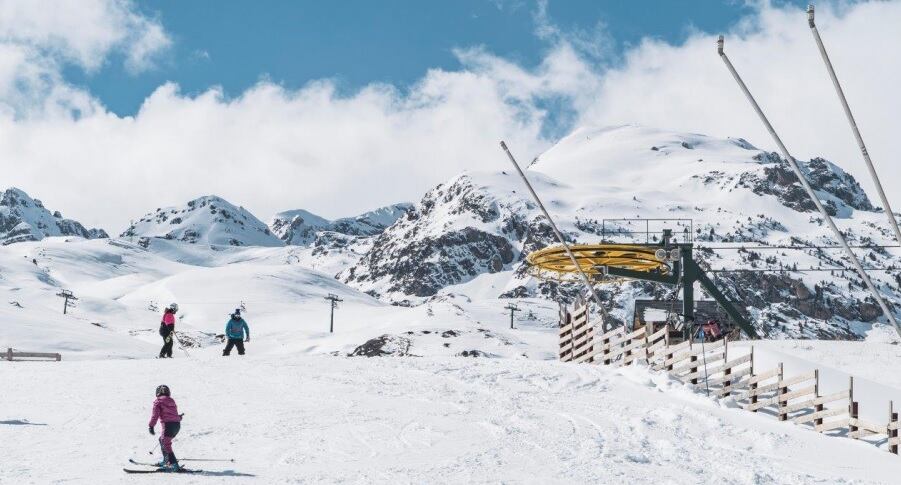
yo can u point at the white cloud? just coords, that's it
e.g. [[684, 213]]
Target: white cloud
[[272, 148]]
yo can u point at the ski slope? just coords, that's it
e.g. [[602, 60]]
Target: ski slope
[[323, 419]]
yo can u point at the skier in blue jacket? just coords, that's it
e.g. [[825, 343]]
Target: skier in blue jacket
[[234, 332]]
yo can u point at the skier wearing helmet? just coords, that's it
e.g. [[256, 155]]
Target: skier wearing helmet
[[167, 330], [234, 331], [166, 412]]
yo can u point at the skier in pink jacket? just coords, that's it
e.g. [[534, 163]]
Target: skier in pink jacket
[[166, 412], [167, 330]]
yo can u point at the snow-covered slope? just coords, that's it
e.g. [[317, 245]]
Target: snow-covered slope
[[322, 419], [300, 227], [726, 191], [208, 220], [25, 219]]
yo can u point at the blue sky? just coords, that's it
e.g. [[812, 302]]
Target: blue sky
[[235, 43]]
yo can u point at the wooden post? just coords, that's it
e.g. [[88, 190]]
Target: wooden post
[[59, 357], [9, 354], [605, 350], [892, 433], [779, 392], [693, 359], [726, 371], [816, 393], [852, 407]]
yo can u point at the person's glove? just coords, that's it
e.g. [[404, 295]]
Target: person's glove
[[151, 430], [247, 339]]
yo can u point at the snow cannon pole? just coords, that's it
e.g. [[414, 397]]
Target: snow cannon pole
[[804, 183], [559, 235], [860, 144]]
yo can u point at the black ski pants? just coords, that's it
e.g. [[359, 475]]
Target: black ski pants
[[166, 331], [234, 342]]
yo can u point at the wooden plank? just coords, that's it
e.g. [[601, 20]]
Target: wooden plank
[[796, 394], [720, 368], [894, 426], [698, 350], [585, 338], [764, 389], [673, 349], [658, 334], [733, 377], [762, 404], [637, 333], [830, 425], [732, 388], [764, 376], [832, 397], [659, 345], [826, 413], [586, 356], [612, 333], [895, 441], [798, 406], [873, 428], [797, 379], [633, 357]]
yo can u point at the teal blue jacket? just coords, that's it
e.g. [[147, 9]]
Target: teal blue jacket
[[236, 328]]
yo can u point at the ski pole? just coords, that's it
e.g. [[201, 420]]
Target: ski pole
[[154, 448], [232, 460], [180, 346]]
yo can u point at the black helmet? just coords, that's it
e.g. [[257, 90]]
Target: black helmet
[[162, 390]]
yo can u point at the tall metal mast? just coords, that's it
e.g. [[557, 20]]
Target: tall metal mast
[[569, 252], [863, 148], [804, 183]]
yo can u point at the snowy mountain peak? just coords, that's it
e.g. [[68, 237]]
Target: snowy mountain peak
[[25, 219], [299, 227], [205, 220]]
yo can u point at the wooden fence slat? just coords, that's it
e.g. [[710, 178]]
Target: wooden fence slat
[[797, 379], [734, 377], [832, 397], [612, 333], [764, 376], [796, 394], [873, 428], [830, 425], [762, 404], [828, 413]]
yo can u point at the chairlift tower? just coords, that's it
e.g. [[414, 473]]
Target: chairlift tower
[[334, 300], [513, 309]]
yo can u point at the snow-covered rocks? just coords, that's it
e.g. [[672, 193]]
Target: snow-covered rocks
[[25, 219], [208, 220], [300, 227], [724, 190]]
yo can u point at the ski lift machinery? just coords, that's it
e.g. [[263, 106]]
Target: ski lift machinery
[[665, 261]]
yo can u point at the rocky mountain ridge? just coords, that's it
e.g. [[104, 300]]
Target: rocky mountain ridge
[[23, 218]]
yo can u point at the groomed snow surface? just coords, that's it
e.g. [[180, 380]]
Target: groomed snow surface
[[323, 419]]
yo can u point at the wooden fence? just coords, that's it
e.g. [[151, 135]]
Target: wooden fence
[[708, 367], [11, 355]]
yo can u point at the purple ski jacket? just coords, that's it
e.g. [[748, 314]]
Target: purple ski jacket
[[164, 410]]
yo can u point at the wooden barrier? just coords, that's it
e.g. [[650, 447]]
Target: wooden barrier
[[708, 365], [10, 355]]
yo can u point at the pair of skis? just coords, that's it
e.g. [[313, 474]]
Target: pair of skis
[[155, 468], [158, 469]]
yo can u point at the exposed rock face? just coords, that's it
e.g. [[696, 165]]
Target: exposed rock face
[[25, 219], [426, 249], [206, 220], [837, 188]]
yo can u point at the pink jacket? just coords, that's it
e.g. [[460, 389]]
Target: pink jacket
[[164, 410], [169, 318]]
